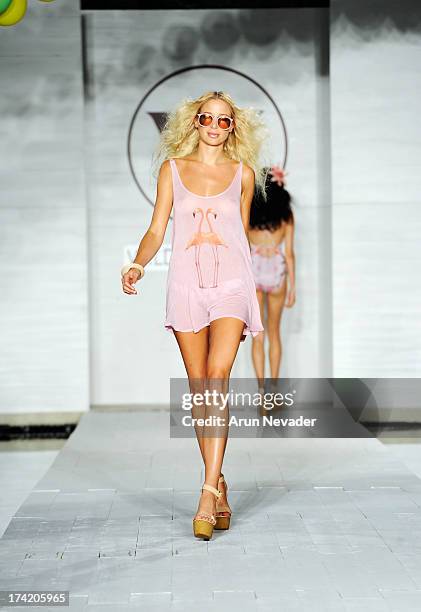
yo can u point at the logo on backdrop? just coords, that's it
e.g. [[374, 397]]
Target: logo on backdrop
[[13, 11], [149, 116]]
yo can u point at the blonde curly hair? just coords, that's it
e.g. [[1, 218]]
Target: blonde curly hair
[[180, 138]]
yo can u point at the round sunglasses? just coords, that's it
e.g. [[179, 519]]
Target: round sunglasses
[[206, 119]]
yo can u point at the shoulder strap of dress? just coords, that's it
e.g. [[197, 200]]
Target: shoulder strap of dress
[[240, 174], [173, 172]]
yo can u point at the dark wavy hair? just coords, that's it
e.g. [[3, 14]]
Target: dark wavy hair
[[270, 214]]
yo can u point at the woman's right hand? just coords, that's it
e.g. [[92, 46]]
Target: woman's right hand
[[128, 280], [290, 301]]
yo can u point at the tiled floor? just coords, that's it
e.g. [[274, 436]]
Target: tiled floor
[[318, 524], [22, 464]]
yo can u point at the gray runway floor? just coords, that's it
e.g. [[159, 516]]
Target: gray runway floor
[[318, 524]]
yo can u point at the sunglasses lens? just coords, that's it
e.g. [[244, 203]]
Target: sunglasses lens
[[224, 123], [205, 119]]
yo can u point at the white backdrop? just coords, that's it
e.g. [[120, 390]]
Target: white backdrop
[[133, 355], [44, 316], [376, 148], [70, 207]]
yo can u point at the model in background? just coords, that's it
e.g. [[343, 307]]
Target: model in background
[[211, 149], [271, 225]]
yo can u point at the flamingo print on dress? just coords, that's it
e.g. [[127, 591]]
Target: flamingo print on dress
[[211, 238]]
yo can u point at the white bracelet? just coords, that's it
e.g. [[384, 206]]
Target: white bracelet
[[127, 267]]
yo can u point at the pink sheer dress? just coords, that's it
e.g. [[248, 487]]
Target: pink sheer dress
[[210, 270]]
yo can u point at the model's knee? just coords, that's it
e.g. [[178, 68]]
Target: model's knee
[[197, 376], [216, 371], [197, 383]]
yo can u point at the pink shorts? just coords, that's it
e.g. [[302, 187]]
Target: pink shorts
[[192, 308]]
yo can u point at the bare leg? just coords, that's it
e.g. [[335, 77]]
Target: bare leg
[[258, 344], [276, 301], [208, 354], [224, 341], [194, 349]]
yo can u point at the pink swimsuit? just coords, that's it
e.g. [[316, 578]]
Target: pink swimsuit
[[210, 271], [269, 265]]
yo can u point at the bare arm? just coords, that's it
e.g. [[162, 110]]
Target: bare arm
[[290, 261], [247, 193], [154, 235]]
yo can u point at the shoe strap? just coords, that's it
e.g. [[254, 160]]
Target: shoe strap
[[212, 490], [222, 479], [205, 516]]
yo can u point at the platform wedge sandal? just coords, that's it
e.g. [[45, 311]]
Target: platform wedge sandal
[[223, 513], [204, 522]]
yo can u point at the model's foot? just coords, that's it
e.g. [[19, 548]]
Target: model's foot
[[222, 504], [207, 503]]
